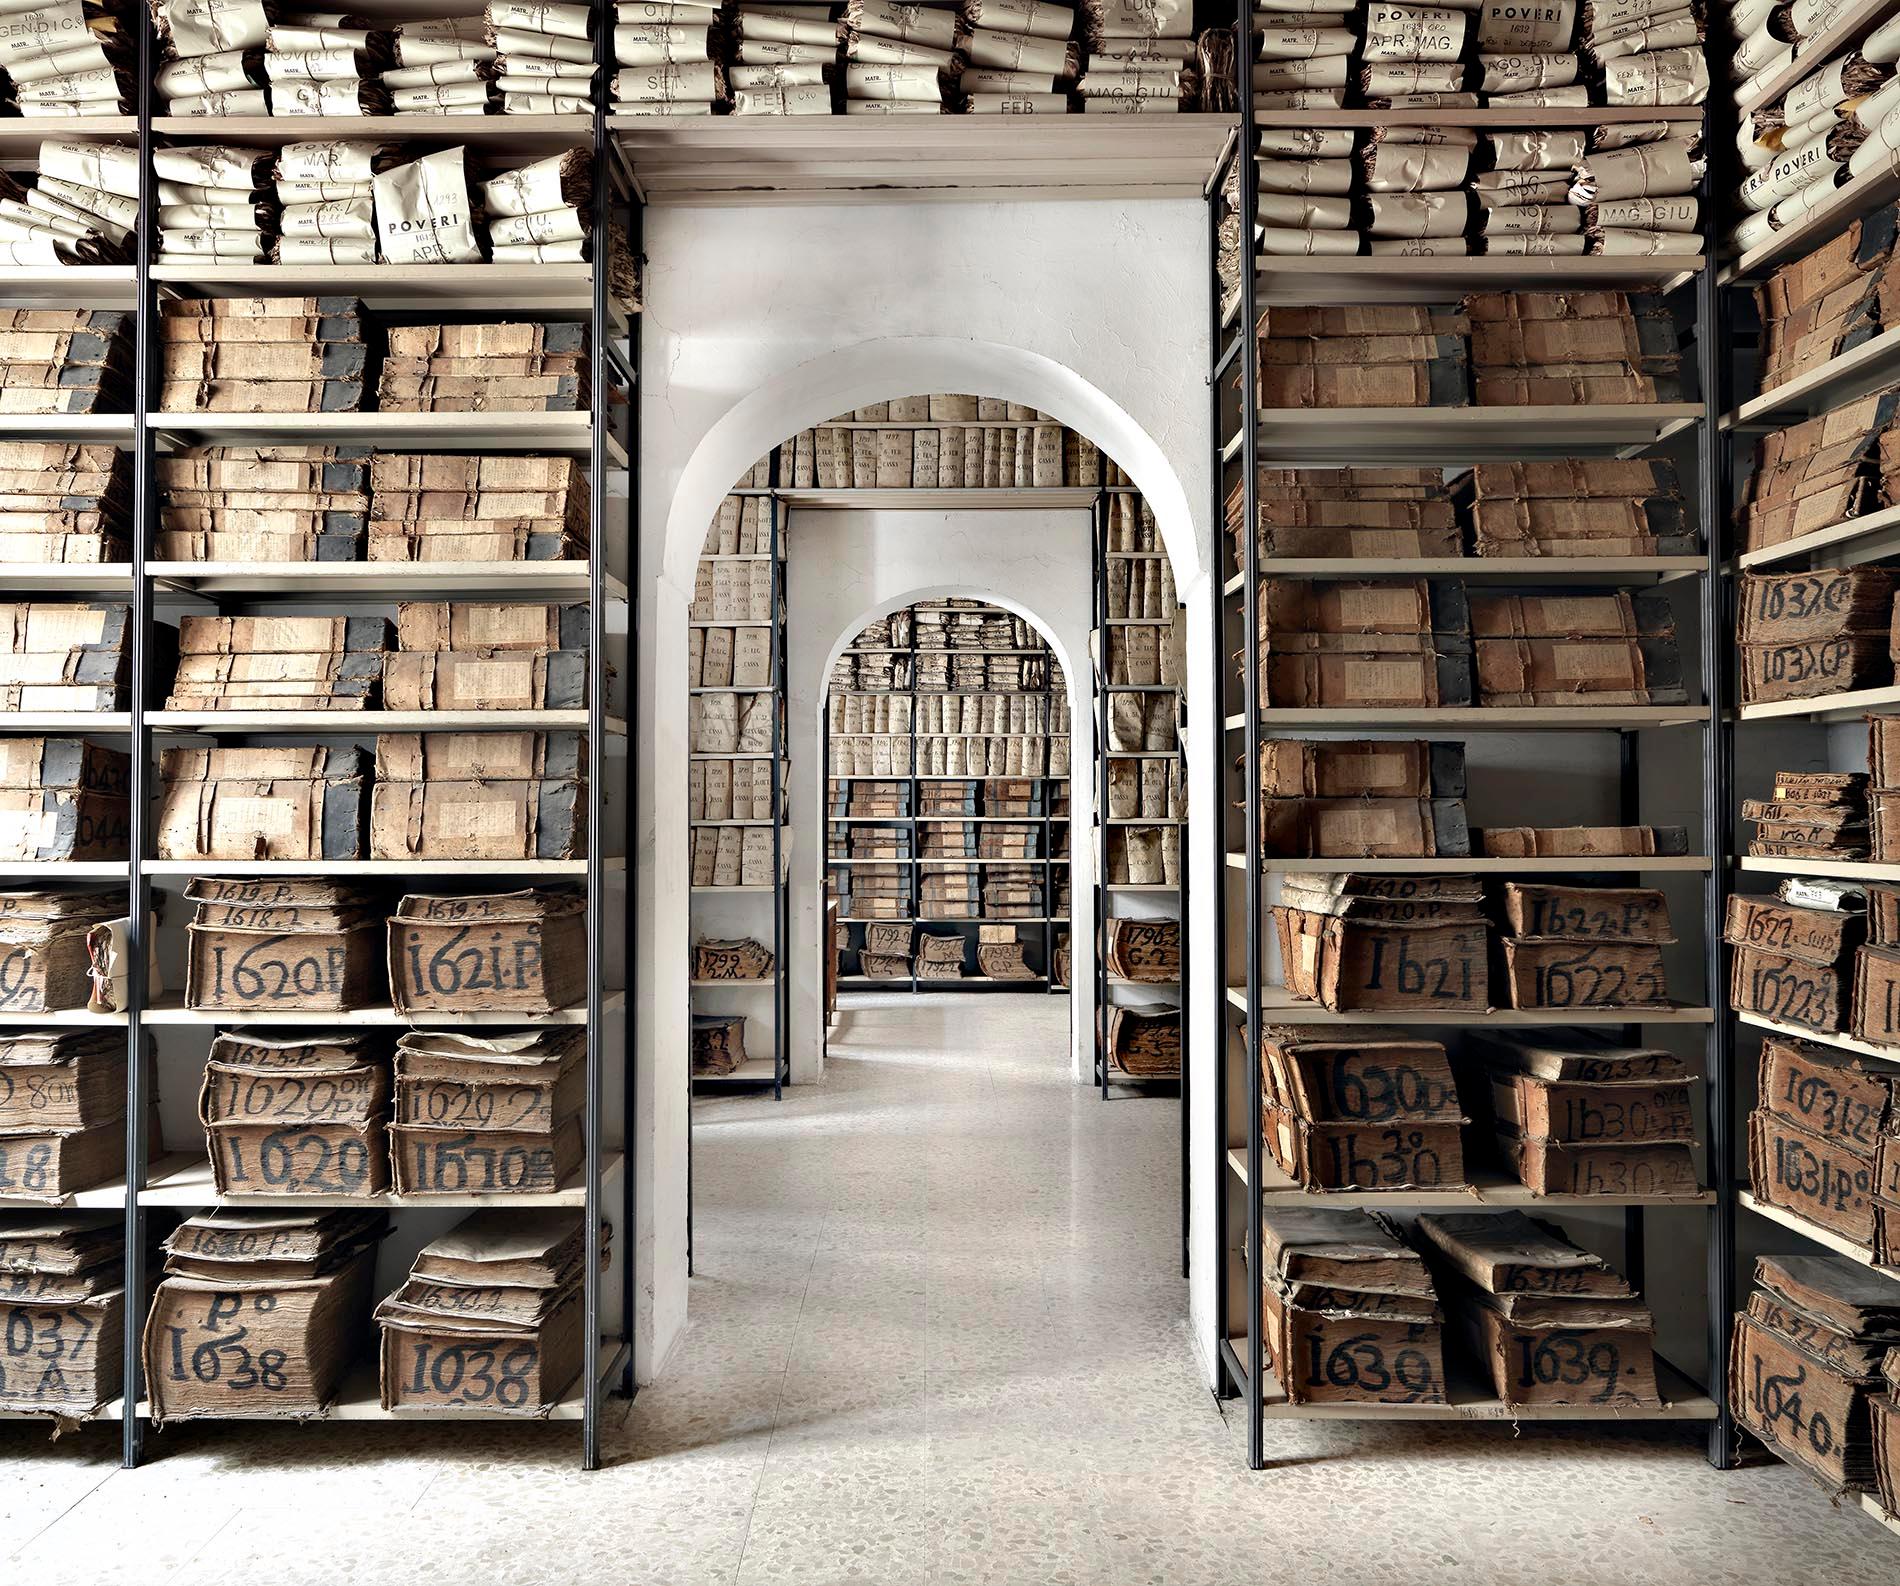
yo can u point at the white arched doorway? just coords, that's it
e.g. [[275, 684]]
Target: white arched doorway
[[679, 505]]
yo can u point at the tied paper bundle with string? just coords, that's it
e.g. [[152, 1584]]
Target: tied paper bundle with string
[[1636, 187], [1835, 125], [1527, 55], [670, 60], [1412, 58], [898, 57], [544, 57], [316, 66], [423, 211], [63, 58], [1649, 52], [328, 203], [786, 60], [1141, 55], [444, 66], [1521, 194], [1305, 183], [214, 57], [1302, 51], [82, 208], [1415, 189], [1018, 46], [537, 214], [215, 204]]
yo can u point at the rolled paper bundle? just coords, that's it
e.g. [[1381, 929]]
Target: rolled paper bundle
[[342, 96], [1296, 243], [673, 80], [1020, 52], [660, 42], [215, 165], [561, 21], [436, 40], [209, 27], [541, 253], [756, 78], [209, 244], [109, 167], [1406, 33], [322, 250], [1036, 18], [445, 98], [1327, 178], [1394, 79], [1677, 212], [1647, 244], [1517, 74], [1508, 189], [216, 217], [1300, 99], [320, 66], [239, 102], [552, 46], [1646, 171], [893, 82], [1543, 244], [1303, 212], [1417, 214], [554, 225], [559, 181], [1658, 77], [1303, 43], [1540, 149], [792, 101], [1419, 247], [1307, 143], [984, 80], [1325, 71], [1166, 19], [782, 29], [934, 27], [1548, 29], [1530, 220], [343, 160], [1050, 104], [353, 219]]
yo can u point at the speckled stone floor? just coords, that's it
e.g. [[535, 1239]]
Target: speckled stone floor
[[936, 1337]]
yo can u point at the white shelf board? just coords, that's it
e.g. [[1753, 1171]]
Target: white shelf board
[[1827, 707], [1486, 718], [184, 1179], [1885, 521], [752, 160], [80, 721], [535, 288], [753, 1071], [1514, 569], [115, 427], [1079, 497], [547, 133], [1542, 864], [1435, 435], [1497, 116], [1487, 1188], [1870, 1503], [1468, 1400], [67, 870], [69, 286], [1136, 886], [1404, 278], [1834, 1038], [60, 1016], [568, 433], [107, 1196], [1280, 1005], [105, 578], [370, 721], [18, 132], [1843, 869], [408, 579], [1824, 1237], [1156, 986], [1853, 373], [393, 868], [171, 1010], [768, 984]]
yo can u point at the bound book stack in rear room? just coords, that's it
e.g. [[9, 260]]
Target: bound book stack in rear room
[[279, 663], [62, 1312], [490, 1317], [878, 891], [63, 798], [1541, 349], [1811, 815], [263, 503], [289, 802], [718, 1044], [1615, 649], [62, 1111], [1805, 1365], [518, 368], [1824, 631], [477, 509], [1793, 962], [65, 360], [1828, 302], [515, 952], [487, 656], [1581, 1114], [885, 954], [1598, 506], [63, 502], [948, 893], [1551, 1324], [488, 1115], [1361, 1108], [1362, 799], [1378, 943], [515, 795], [262, 354], [1144, 1042], [66, 657], [1349, 1310], [305, 1114], [260, 1313], [292, 944], [1826, 470], [1821, 1143], [939, 956], [1403, 643], [43, 948], [1347, 512], [1585, 947], [1146, 950], [1377, 355]]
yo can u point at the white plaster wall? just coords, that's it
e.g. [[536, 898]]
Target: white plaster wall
[[760, 322], [844, 568]]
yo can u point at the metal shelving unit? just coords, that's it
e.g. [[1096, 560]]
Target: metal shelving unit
[[773, 1073], [1242, 439], [1049, 863], [606, 437]]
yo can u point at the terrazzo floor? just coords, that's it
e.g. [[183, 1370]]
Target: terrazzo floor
[[936, 1337]]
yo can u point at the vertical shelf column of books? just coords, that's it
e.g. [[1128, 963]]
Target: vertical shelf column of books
[[1489, 1041], [1809, 519], [1140, 814], [574, 857], [734, 873]]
